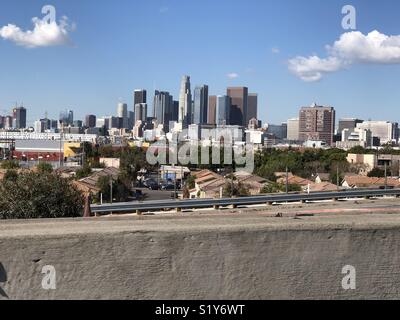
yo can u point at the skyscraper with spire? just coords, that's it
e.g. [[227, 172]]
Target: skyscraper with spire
[[185, 102]]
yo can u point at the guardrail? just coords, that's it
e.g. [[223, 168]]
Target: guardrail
[[216, 203]]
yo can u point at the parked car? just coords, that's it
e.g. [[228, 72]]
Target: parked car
[[167, 187], [151, 184]]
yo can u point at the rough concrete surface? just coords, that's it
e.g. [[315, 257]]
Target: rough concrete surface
[[222, 256]]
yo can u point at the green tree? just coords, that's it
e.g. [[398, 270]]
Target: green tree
[[132, 160], [44, 167], [33, 195], [11, 175], [191, 182], [83, 172], [377, 173], [120, 192], [10, 164], [235, 189], [280, 187]]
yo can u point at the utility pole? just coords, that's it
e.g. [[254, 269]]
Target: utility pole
[[287, 180], [337, 176], [386, 176], [111, 189]]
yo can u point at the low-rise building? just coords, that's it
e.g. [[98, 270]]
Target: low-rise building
[[356, 182]]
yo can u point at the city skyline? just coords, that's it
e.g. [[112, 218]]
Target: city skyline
[[46, 78]]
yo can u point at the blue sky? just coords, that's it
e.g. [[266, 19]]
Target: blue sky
[[121, 45]]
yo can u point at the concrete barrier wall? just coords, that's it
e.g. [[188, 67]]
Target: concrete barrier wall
[[250, 257]]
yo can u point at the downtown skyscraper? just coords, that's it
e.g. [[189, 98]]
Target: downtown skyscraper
[[19, 116], [185, 103], [164, 108], [200, 111], [139, 96], [239, 99], [223, 110]]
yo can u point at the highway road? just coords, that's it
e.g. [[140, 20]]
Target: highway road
[[245, 201]]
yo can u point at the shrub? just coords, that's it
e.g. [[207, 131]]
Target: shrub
[[33, 195]]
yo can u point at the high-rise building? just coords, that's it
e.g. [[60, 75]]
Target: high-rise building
[[122, 112], [185, 102], [67, 117], [90, 121], [140, 96], [252, 106], [131, 120], [212, 108], [163, 108], [140, 112], [8, 122], [19, 116], [239, 99], [200, 109], [223, 110], [293, 129], [317, 123]]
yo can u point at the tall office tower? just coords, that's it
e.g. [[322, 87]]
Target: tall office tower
[[163, 108], [317, 123], [19, 116], [200, 108], [39, 126], [112, 122], [175, 111], [140, 112], [348, 123], [239, 99], [67, 117], [8, 123], [212, 108], [293, 129], [223, 110], [122, 112], [131, 120], [139, 96], [185, 102], [90, 121], [252, 106], [2, 121]]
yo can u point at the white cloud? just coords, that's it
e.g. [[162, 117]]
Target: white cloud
[[312, 68], [275, 50], [232, 75], [352, 48], [163, 10], [44, 34]]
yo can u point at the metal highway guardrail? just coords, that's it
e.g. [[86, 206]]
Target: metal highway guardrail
[[216, 203]]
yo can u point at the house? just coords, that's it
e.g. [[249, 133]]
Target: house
[[355, 182], [89, 184], [322, 177], [209, 184], [292, 179], [253, 183], [322, 187]]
